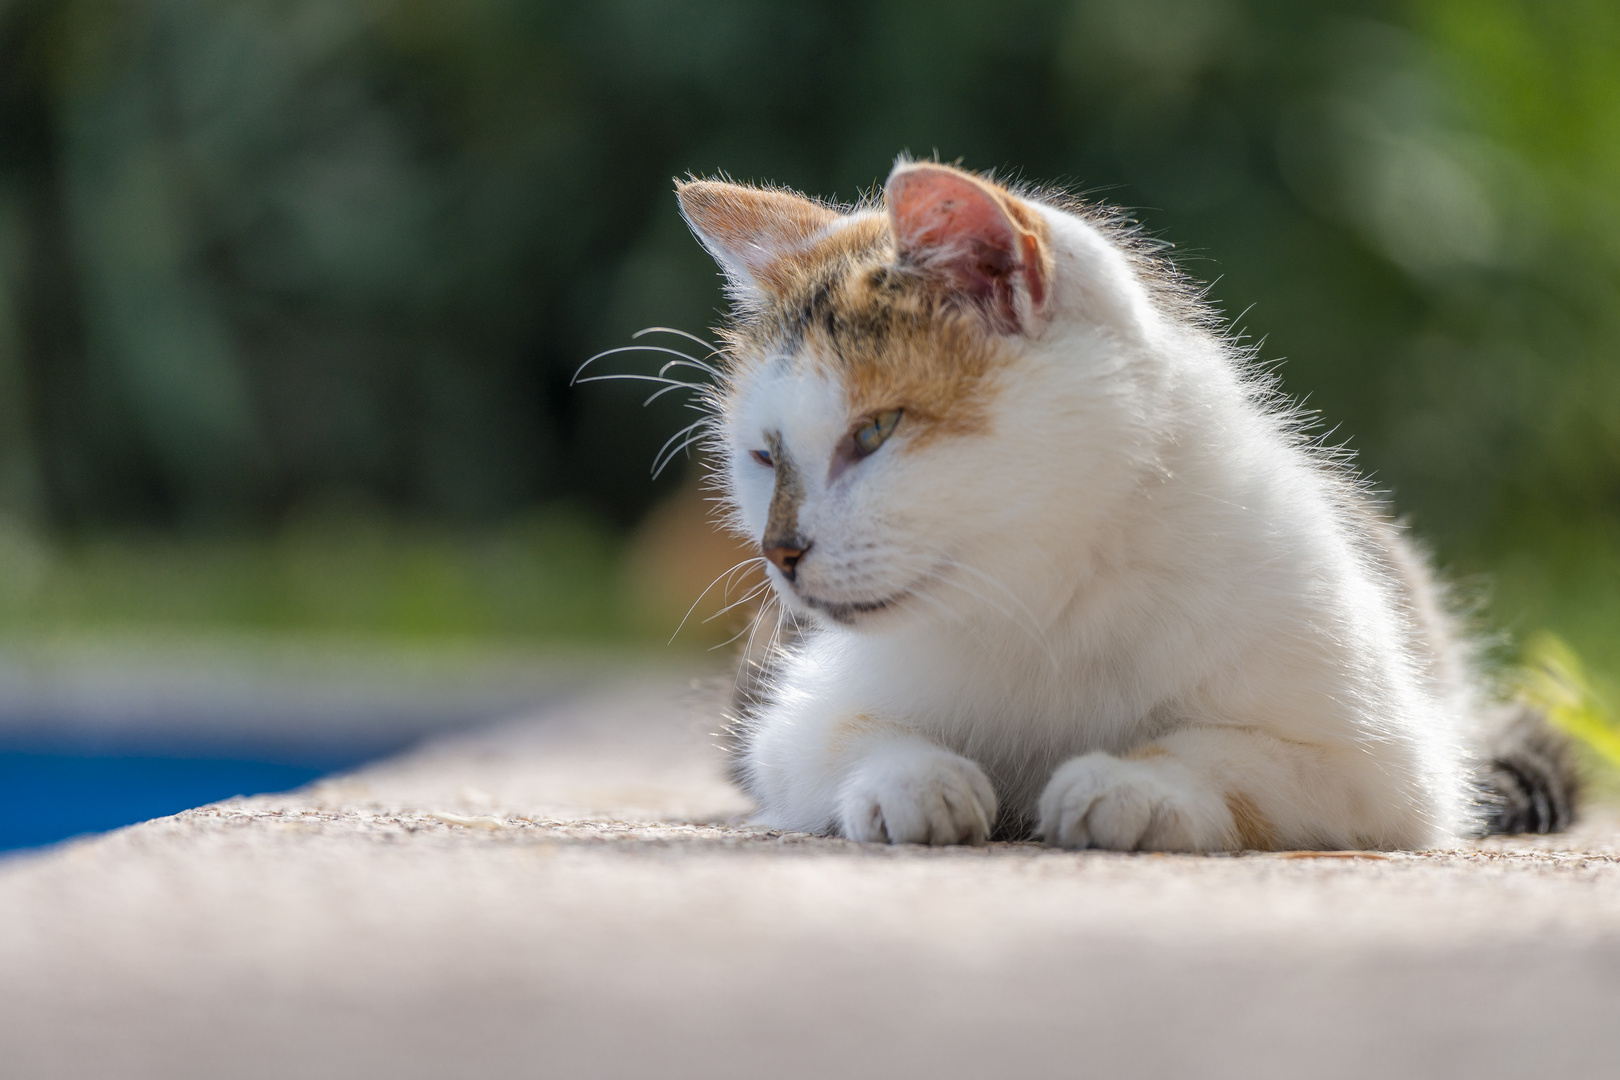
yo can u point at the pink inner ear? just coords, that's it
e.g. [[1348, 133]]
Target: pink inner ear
[[948, 221]]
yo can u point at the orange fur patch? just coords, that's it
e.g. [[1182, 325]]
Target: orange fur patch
[[840, 297], [937, 368], [1255, 832], [1145, 753], [893, 337]]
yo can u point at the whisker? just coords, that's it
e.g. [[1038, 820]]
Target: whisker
[[679, 434], [773, 604], [687, 445], [774, 643], [751, 628], [776, 633], [725, 591], [761, 587], [640, 378], [667, 385], [688, 362], [630, 348], [714, 350], [712, 584], [732, 574], [656, 394]]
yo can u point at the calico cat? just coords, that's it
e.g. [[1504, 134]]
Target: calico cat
[[1061, 561]]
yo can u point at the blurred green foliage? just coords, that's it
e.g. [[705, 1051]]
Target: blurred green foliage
[[1553, 678], [264, 257], [546, 575]]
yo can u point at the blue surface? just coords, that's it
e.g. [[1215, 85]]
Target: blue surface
[[45, 797]]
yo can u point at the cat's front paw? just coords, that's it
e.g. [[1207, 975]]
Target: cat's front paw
[[1102, 801], [910, 791]]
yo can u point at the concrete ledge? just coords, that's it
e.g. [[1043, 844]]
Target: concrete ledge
[[576, 895]]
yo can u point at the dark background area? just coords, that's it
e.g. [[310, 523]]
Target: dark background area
[[283, 282]]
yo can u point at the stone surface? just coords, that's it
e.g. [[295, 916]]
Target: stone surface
[[578, 894]]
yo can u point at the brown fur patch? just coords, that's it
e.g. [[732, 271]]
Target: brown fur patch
[[782, 525], [935, 364], [895, 338], [896, 330], [1255, 832], [1145, 753]]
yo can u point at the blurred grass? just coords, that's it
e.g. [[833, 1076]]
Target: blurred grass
[[558, 576], [1579, 703], [553, 575]]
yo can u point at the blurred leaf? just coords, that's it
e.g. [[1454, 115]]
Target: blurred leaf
[[1554, 679]]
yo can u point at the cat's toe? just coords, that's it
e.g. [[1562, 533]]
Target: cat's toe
[[917, 793], [1101, 801]]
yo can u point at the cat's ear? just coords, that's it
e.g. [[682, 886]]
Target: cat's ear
[[752, 232], [981, 238]]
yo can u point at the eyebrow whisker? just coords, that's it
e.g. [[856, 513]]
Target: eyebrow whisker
[[640, 348]]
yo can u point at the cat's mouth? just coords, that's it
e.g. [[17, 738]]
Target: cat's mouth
[[848, 612]]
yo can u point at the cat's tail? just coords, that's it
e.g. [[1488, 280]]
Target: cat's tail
[[1528, 783]]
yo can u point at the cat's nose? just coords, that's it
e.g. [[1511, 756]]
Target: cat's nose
[[786, 556]]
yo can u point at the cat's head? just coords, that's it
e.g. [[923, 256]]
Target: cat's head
[[928, 402]]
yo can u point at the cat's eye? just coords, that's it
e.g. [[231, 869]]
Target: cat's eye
[[872, 434], [763, 457]]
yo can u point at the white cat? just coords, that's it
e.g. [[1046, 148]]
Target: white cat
[[1067, 564]]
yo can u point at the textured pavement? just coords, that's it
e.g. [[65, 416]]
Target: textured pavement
[[578, 894]]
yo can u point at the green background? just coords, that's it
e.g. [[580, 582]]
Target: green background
[[291, 292]]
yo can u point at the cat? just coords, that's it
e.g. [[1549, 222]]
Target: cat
[[1060, 562]]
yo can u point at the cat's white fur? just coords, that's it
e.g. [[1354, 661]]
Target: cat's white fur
[[1141, 613]]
